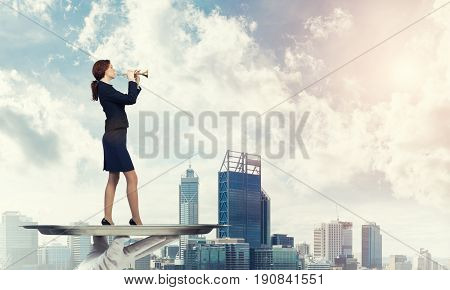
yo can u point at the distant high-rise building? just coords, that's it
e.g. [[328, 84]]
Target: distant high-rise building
[[276, 257], [237, 253], [284, 258], [347, 239], [345, 262], [303, 249], [79, 246], [319, 242], [399, 262], [240, 198], [205, 256], [371, 247], [191, 254], [218, 254], [283, 240], [18, 246], [54, 257], [188, 205], [142, 263], [332, 240], [424, 261], [170, 251], [261, 258], [265, 221]]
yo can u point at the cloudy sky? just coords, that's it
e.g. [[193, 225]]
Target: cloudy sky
[[377, 135]]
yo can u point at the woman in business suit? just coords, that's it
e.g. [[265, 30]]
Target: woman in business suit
[[116, 158]]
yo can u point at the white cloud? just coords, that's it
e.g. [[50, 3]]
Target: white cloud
[[337, 22], [43, 148], [37, 8], [93, 22], [211, 62], [53, 57], [69, 6], [404, 135]]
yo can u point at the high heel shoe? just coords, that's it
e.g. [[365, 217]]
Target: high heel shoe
[[105, 222], [132, 222]]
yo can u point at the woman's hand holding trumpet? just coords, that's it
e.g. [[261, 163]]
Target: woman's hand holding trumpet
[[133, 75]]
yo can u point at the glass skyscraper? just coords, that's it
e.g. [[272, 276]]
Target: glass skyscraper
[[274, 258], [191, 253], [188, 205], [237, 253], [219, 254], [205, 257], [241, 199], [284, 258], [284, 240], [265, 215], [371, 246], [261, 258]]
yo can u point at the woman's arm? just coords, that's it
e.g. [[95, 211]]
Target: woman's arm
[[115, 96]]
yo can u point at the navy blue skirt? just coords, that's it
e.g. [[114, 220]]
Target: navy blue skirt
[[115, 154]]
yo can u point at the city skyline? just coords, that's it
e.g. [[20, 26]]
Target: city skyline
[[330, 240], [341, 231], [56, 249]]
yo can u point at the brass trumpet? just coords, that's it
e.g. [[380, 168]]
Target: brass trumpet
[[142, 73]]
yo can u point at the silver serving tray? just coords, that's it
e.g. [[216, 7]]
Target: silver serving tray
[[125, 230]]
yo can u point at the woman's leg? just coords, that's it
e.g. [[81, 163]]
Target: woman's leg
[[132, 195], [110, 191]]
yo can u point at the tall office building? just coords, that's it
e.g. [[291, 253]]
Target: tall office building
[[284, 258], [276, 257], [237, 253], [18, 246], [319, 241], [345, 262], [188, 204], [205, 256], [283, 240], [371, 247], [347, 239], [240, 198], [265, 221], [399, 262], [54, 257], [332, 240], [142, 263], [261, 258], [79, 246], [424, 261], [191, 254]]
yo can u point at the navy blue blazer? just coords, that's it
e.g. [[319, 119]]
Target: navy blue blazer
[[113, 103]]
